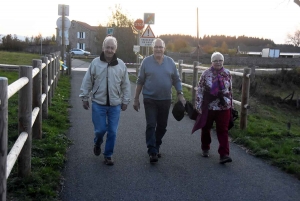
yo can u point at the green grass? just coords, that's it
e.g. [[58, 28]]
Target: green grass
[[48, 153], [17, 58]]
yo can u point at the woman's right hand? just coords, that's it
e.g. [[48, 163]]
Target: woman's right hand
[[199, 111]]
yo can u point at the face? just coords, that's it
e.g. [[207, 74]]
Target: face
[[109, 49], [158, 49], [217, 63]]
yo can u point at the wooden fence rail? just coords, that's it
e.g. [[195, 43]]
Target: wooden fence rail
[[35, 87], [244, 105]]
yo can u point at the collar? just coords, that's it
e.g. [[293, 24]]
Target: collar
[[113, 62]]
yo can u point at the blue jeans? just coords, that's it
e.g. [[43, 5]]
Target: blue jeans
[[106, 120], [157, 113]]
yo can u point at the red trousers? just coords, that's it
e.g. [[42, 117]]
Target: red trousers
[[221, 117]]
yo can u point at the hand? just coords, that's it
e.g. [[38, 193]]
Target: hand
[[181, 99], [199, 111], [136, 104], [86, 105], [123, 107]]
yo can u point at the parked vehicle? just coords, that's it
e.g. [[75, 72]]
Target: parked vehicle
[[76, 51]]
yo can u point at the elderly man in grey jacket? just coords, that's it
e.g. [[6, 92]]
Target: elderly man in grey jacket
[[107, 84]]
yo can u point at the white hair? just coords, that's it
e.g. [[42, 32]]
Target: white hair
[[156, 39], [110, 38], [217, 55]]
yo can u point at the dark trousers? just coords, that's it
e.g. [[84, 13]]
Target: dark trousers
[[157, 113], [221, 117]]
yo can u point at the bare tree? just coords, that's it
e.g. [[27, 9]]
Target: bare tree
[[294, 38]]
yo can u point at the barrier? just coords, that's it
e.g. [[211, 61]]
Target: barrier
[[35, 87]]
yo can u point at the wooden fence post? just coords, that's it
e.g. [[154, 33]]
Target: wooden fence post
[[45, 88], [245, 98], [180, 68], [37, 99], [25, 120], [49, 95], [3, 135], [195, 80]]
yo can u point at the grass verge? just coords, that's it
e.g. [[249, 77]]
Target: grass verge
[[48, 153]]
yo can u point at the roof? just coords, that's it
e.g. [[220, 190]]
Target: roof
[[92, 28]]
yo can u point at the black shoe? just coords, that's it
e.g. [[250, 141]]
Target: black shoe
[[159, 155], [108, 161], [205, 153], [153, 158], [225, 159], [97, 150]]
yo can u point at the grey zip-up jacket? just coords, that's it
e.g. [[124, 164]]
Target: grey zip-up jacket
[[102, 77]]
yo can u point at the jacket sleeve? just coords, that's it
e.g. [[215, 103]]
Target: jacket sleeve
[[126, 88], [199, 92], [87, 84]]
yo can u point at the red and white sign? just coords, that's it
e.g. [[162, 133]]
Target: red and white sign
[[139, 24], [148, 33]]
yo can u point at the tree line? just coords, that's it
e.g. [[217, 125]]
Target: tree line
[[13, 43]]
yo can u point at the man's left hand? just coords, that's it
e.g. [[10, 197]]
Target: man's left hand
[[123, 107], [181, 99]]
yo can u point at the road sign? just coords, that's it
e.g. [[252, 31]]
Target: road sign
[[139, 24], [62, 7], [136, 48], [146, 42], [110, 31], [148, 33], [67, 23], [149, 18]]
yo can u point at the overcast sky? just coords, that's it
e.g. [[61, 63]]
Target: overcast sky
[[269, 19]]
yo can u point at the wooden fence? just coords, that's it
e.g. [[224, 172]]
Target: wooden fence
[[35, 87]]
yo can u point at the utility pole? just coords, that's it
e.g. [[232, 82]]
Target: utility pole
[[198, 48], [63, 34]]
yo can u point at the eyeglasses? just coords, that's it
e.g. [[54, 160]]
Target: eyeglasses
[[158, 47], [217, 61]]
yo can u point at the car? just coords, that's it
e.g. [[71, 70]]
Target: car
[[76, 51]]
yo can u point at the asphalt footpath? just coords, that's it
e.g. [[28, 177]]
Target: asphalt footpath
[[180, 174]]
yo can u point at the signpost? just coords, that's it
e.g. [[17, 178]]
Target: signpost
[[63, 24]]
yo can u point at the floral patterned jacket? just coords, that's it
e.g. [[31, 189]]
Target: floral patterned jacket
[[223, 100]]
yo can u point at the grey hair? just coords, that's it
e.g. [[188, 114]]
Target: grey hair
[[216, 54], [156, 39], [110, 38]]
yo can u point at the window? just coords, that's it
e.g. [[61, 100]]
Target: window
[[81, 46], [81, 35]]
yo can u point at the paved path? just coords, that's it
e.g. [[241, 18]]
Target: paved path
[[181, 173]]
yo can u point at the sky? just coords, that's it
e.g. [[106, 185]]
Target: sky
[[268, 19]]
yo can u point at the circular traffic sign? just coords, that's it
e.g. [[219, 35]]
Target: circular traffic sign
[[139, 24], [67, 23]]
